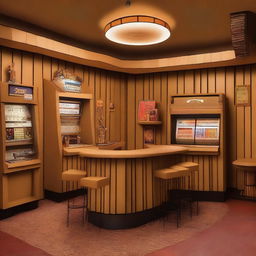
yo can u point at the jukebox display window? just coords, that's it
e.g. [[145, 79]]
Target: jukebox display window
[[197, 130], [185, 131], [207, 131]]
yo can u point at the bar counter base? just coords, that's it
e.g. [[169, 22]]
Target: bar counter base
[[60, 197], [124, 221], [131, 220], [6, 213]]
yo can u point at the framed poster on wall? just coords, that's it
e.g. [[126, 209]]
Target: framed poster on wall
[[242, 94], [149, 135]]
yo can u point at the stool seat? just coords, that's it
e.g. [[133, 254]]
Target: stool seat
[[173, 172], [73, 175], [69, 176], [190, 165], [94, 182]]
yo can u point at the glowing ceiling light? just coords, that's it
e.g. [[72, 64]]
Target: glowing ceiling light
[[137, 30]]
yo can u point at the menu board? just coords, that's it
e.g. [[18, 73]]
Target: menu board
[[207, 131], [18, 122], [200, 131]]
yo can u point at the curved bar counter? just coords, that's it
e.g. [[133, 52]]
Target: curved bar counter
[[134, 195]]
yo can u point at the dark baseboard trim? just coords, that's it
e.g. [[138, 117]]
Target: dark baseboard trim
[[59, 197], [210, 196], [123, 221], [236, 194], [6, 213]]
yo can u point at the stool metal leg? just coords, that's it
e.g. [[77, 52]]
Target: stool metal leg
[[84, 206], [68, 203]]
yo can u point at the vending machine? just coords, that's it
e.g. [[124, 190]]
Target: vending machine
[[20, 147]]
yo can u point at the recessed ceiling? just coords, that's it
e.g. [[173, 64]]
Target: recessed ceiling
[[197, 26]]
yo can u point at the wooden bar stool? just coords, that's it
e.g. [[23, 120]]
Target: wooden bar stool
[[93, 182], [174, 172], [73, 175], [193, 167]]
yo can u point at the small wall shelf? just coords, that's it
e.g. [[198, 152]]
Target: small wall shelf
[[150, 122], [75, 95]]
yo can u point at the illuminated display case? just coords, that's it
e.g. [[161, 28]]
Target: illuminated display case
[[19, 133], [20, 161]]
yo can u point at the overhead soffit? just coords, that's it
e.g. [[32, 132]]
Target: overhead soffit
[[198, 26]]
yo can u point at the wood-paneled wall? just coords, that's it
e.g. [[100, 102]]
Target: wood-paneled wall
[[105, 85], [240, 120], [125, 91]]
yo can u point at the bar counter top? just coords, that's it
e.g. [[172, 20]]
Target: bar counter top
[[150, 151]]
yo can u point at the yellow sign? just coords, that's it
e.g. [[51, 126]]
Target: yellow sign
[[243, 95]]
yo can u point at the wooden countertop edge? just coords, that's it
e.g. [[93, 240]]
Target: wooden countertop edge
[[245, 162], [152, 151]]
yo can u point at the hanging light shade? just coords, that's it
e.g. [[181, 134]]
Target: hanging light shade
[[137, 30]]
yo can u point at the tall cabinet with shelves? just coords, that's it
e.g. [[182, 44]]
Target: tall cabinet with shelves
[[68, 123], [20, 156]]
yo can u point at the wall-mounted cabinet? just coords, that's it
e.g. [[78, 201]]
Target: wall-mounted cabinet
[[20, 161], [68, 123]]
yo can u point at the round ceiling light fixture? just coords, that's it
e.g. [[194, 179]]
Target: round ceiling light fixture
[[137, 30]]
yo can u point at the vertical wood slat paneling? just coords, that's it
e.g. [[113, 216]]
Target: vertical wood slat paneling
[[117, 102], [164, 108], [230, 125], [241, 119], [139, 97], [17, 59], [6, 61], [38, 83], [158, 99], [253, 107], [172, 90], [221, 171], [131, 113], [27, 68]]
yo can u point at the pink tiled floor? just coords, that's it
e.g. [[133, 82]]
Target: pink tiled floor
[[45, 228], [233, 235]]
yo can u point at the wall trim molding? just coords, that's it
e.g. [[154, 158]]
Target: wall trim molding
[[18, 39]]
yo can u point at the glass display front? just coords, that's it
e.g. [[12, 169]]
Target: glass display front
[[207, 131], [199, 131], [70, 121], [185, 131], [19, 133], [18, 123]]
